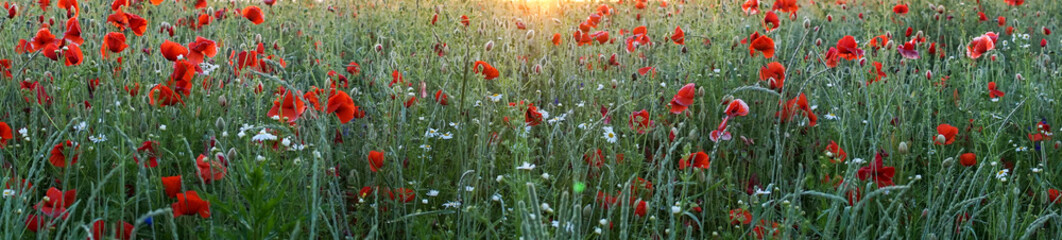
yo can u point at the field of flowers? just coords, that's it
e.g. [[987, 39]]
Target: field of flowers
[[530, 119]]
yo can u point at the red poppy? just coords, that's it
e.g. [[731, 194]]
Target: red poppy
[[376, 160], [980, 45], [56, 202], [72, 55], [683, 99], [162, 96], [679, 37], [43, 39], [254, 14], [947, 132], [774, 74], [73, 31], [1053, 195], [488, 71], [770, 22], [763, 44], [789, 6], [5, 134], [441, 98], [847, 48], [34, 222], [5, 68], [244, 59], [993, 92], [113, 42], [342, 105], [1014, 2], [792, 106], [877, 171], [878, 74], [288, 107], [210, 169], [967, 159], [741, 216], [751, 7], [464, 20], [173, 51], [181, 77], [148, 150], [137, 24], [189, 203], [59, 155], [737, 107], [640, 208], [556, 39], [835, 152], [171, 185], [639, 121], [907, 50], [123, 232], [695, 160], [900, 9], [201, 48], [600, 36], [532, 117]]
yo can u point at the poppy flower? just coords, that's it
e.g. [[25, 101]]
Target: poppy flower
[[43, 39], [967, 159], [34, 222], [441, 98], [774, 73], [171, 185], [1053, 195], [683, 99], [243, 60], [254, 14], [181, 77], [877, 171], [148, 149], [639, 121], [945, 134], [201, 48], [58, 155], [980, 45], [5, 134], [878, 74], [342, 105], [793, 105], [403, 195], [464, 20], [900, 9], [789, 6], [737, 107], [73, 32], [287, 107], [72, 55], [353, 68], [679, 37], [751, 7], [488, 71], [5, 68], [762, 44], [99, 229], [137, 24], [595, 158], [741, 216], [173, 51], [993, 92], [695, 160], [907, 50], [847, 48], [771, 22], [56, 202], [600, 36], [832, 57], [189, 203], [376, 160], [210, 169], [1014, 2], [532, 117], [113, 42], [161, 96], [640, 208], [835, 152], [556, 39]]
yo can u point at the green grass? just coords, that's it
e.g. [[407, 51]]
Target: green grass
[[314, 192]]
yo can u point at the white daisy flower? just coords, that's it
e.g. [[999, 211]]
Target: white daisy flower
[[610, 135]]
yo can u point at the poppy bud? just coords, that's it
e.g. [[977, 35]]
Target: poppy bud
[[929, 75], [684, 49], [438, 9], [700, 92], [817, 28], [220, 123], [807, 23], [700, 176], [818, 42], [693, 133], [538, 68], [941, 9], [941, 138], [530, 34], [1047, 31], [258, 38], [1019, 77], [588, 210], [947, 162], [379, 48], [1058, 144], [614, 83], [1043, 43], [490, 45], [231, 154], [933, 6], [223, 101], [48, 75], [727, 99], [993, 57], [862, 62], [829, 17]]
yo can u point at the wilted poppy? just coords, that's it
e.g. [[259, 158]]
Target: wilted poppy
[[441, 98], [877, 73], [189, 203]]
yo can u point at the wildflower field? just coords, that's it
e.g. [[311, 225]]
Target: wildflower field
[[530, 119]]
